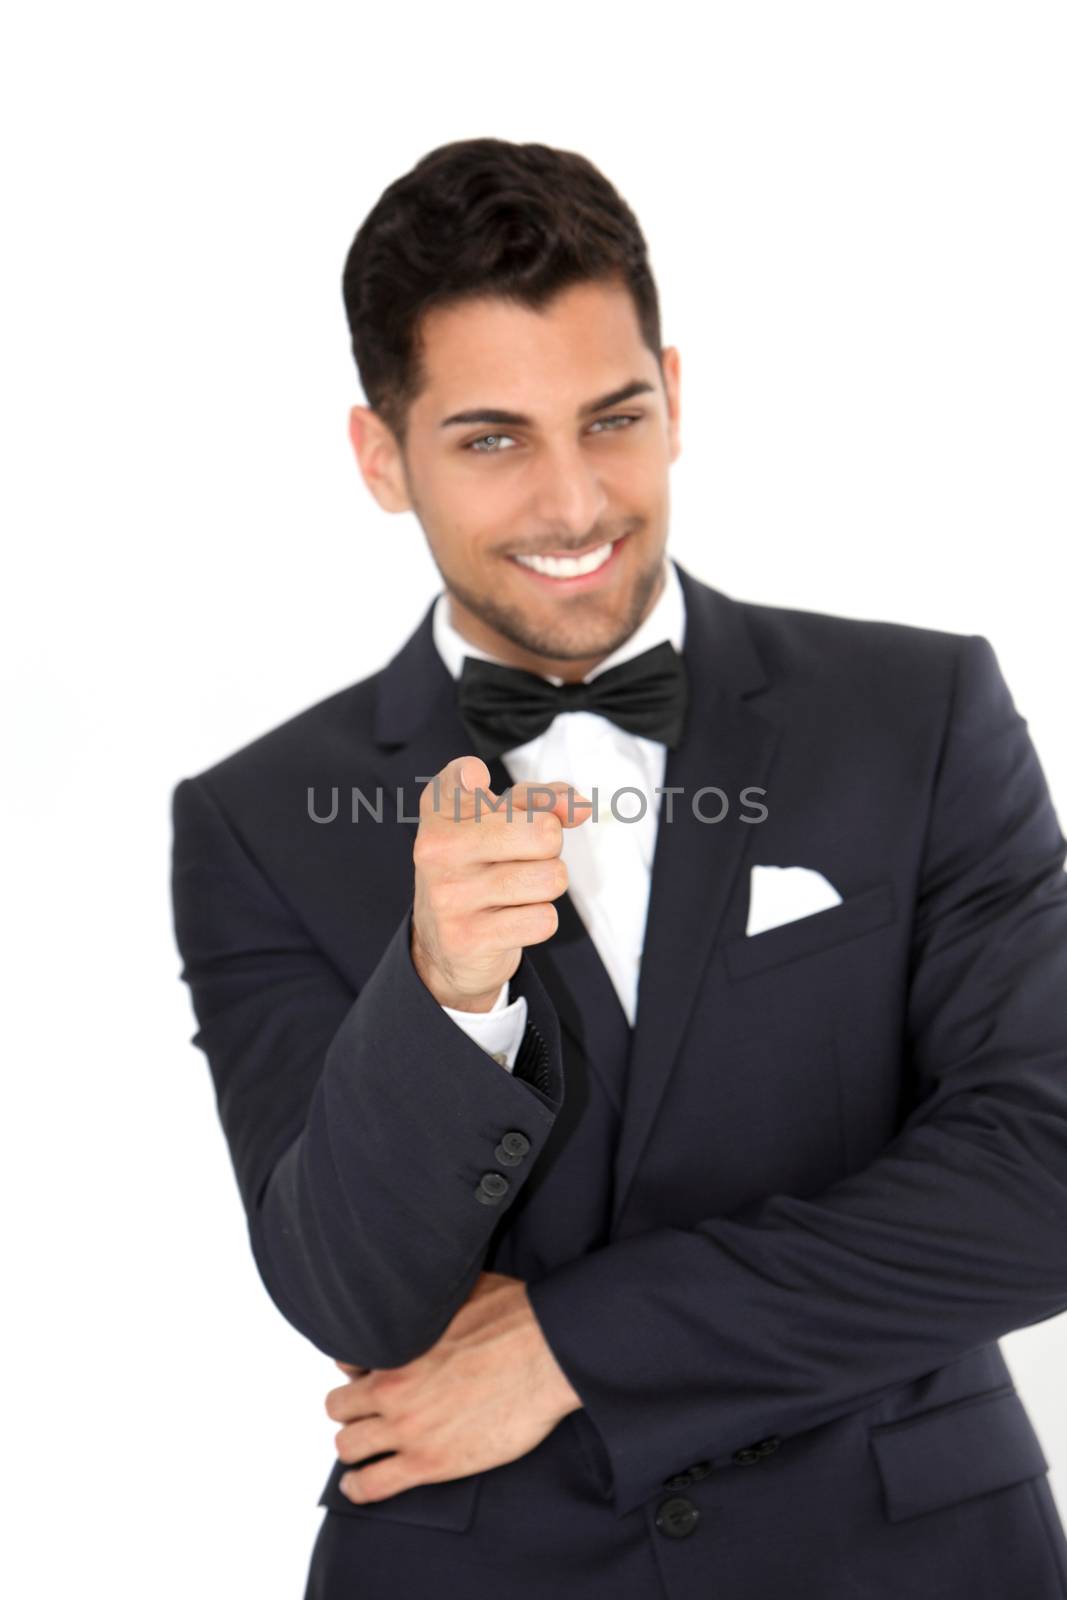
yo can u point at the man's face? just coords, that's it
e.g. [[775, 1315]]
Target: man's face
[[573, 467]]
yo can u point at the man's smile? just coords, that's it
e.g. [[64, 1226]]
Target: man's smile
[[570, 572]]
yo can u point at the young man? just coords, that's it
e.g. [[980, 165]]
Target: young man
[[659, 1165]]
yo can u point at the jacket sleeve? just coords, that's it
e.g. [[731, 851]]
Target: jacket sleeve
[[691, 1343], [368, 1133]]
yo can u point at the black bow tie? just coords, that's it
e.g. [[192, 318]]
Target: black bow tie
[[504, 706]]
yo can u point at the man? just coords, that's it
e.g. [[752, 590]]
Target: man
[[660, 1158]]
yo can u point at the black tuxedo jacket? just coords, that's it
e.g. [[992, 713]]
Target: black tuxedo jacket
[[772, 1233]]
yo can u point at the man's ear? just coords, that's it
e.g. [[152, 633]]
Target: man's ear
[[672, 384], [378, 455]]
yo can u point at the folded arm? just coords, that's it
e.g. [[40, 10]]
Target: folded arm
[[360, 1126], [688, 1343]]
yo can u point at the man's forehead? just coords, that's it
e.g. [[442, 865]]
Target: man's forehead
[[591, 319], [494, 359]]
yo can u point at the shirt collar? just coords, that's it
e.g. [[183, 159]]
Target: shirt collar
[[666, 620]]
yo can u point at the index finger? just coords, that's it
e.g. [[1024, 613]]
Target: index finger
[[569, 804]]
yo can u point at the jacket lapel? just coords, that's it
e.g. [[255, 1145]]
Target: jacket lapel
[[728, 742]]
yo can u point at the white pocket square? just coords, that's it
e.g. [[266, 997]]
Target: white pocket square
[[782, 894]]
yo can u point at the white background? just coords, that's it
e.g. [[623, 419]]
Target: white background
[[856, 219]]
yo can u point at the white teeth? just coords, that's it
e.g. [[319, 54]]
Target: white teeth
[[567, 566]]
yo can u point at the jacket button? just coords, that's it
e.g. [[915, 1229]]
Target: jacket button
[[681, 1480], [492, 1187], [757, 1451], [511, 1149], [677, 1518], [700, 1470]]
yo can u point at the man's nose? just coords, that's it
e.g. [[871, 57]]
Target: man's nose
[[569, 495]]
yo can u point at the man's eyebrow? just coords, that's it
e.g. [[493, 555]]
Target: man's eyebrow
[[516, 419]]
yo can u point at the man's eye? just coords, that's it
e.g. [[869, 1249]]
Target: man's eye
[[485, 438], [488, 438], [606, 420]]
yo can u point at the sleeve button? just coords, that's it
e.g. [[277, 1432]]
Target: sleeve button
[[680, 1480], [756, 1452], [492, 1187], [511, 1149]]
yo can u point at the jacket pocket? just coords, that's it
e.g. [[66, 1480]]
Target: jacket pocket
[[954, 1452], [448, 1505], [858, 914]]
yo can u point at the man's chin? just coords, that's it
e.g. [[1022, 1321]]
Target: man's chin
[[570, 624]]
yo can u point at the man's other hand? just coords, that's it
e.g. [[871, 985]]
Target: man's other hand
[[486, 1393]]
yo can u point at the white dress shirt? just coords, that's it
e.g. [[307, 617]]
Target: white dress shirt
[[609, 860]]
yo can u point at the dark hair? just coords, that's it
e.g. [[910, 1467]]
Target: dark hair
[[477, 217]]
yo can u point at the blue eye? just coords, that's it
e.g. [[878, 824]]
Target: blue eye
[[485, 438], [605, 420], [473, 446]]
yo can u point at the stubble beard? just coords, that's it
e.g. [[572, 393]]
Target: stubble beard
[[573, 637]]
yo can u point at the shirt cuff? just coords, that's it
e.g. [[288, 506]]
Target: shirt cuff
[[499, 1030]]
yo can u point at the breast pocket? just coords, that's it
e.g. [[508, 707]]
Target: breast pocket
[[448, 1505], [858, 914], [954, 1452]]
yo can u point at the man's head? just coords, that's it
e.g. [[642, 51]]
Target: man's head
[[505, 326]]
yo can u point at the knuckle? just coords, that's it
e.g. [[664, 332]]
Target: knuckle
[[446, 897], [547, 827], [513, 884], [422, 1464], [545, 920], [403, 1428], [426, 850]]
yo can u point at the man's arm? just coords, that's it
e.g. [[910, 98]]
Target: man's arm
[[688, 1343], [360, 1126]]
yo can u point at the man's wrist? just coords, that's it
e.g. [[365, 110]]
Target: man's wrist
[[465, 1003], [439, 988]]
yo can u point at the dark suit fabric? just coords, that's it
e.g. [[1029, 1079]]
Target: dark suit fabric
[[772, 1233]]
